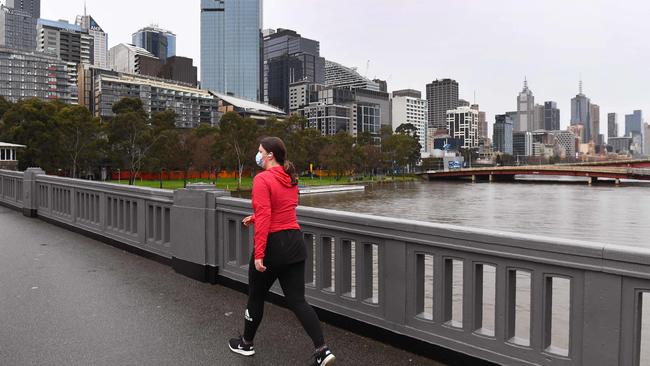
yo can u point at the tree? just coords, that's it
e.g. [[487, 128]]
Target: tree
[[407, 129], [163, 154], [203, 150], [238, 141], [131, 135], [338, 154], [5, 105], [313, 142], [31, 122], [402, 150], [81, 136]]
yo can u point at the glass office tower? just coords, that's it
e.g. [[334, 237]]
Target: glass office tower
[[230, 47]]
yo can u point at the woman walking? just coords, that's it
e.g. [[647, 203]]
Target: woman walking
[[279, 252]]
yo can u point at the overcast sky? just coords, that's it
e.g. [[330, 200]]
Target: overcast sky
[[487, 46]]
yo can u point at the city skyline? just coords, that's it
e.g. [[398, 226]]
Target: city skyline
[[486, 54]]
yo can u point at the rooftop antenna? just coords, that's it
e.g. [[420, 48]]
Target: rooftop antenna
[[85, 13], [525, 83], [474, 96], [580, 84]]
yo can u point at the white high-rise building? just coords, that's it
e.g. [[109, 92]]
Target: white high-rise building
[[100, 39], [462, 123], [409, 107]]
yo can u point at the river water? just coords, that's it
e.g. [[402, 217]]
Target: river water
[[570, 209]]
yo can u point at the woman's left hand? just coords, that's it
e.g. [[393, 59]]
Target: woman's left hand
[[259, 265]]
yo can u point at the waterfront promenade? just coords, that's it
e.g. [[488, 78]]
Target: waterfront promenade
[[70, 300]]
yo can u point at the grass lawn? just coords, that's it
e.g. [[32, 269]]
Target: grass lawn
[[246, 182]]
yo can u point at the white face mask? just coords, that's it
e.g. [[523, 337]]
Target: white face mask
[[259, 160]]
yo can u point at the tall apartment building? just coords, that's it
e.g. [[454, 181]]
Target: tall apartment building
[[329, 119], [502, 134], [462, 123], [368, 110], [288, 59], [337, 75], [67, 41], [32, 7], [407, 106], [25, 75], [101, 88], [442, 96], [17, 28], [231, 36], [612, 125], [160, 42], [302, 93], [525, 110], [100, 39]]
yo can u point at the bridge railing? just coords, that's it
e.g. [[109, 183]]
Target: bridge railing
[[508, 298], [11, 188]]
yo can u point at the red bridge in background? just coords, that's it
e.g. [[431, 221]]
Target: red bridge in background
[[616, 170]]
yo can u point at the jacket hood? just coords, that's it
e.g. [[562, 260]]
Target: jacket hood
[[281, 176]]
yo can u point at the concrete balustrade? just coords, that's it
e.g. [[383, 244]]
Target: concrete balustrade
[[508, 298]]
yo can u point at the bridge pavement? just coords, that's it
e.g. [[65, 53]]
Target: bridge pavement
[[69, 300]]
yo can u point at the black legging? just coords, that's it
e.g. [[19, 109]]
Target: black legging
[[292, 281]]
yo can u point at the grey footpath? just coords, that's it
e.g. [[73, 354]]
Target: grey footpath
[[66, 299]]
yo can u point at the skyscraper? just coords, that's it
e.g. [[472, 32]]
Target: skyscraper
[[407, 106], [633, 122], [482, 122], [502, 134], [288, 59], [551, 116], [594, 116], [612, 125], [33, 7], [525, 110], [462, 123], [100, 39], [67, 41], [442, 96], [160, 42], [18, 26], [634, 129], [231, 32], [581, 114]]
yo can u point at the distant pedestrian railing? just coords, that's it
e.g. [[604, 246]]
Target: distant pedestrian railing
[[508, 298]]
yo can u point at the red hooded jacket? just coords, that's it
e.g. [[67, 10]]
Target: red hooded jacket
[[274, 206]]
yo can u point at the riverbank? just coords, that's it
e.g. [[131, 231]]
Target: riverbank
[[230, 184]]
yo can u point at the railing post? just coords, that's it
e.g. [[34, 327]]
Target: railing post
[[602, 327], [193, 231], [395, 280], [30, 196]]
